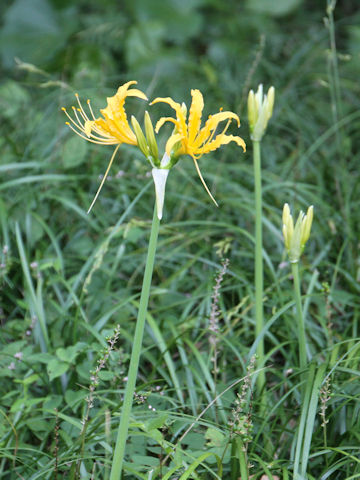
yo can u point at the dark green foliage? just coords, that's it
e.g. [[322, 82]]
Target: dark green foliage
[[68, 279]]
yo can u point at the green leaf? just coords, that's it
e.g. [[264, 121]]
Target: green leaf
[[38, 424], [69, 354], [40, 357], [56, 369], [215, 438], [156, 422], [74, 398], [106, 375], [276, 9], [52, 401], [30, 27], [74, 152]]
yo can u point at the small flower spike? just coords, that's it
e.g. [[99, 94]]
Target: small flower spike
[[260, 109], [188, 138], [295, 238]]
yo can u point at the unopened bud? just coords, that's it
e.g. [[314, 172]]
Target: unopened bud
[[295, 238], [150, 136], [260, 109], [141, 140]]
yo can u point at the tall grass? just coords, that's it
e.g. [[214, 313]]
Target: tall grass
[[68, 279]]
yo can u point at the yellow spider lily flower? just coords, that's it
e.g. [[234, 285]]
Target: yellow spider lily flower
[[113, 128], [110, 129], [295, 238], [189, 138]]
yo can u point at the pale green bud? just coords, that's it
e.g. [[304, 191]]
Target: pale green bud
[[288, 226], [307, 222], [295, 238], [140, 137], [150, 136], [260, 109], [147, 145]]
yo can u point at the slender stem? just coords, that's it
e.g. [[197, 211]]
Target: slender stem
[[300, 318], [243, 461], [135, 354], [259, 275]]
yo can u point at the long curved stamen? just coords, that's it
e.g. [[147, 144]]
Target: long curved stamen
[[102, 142], [203, 181], [102, 139], [104, 178], [91, 110], [69, 117], [76, 110], [81, 107]]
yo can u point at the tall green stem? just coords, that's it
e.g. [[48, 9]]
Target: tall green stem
[[259, 275], [119, 452], [299, 315]]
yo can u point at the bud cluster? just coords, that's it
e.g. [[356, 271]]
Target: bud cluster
[[260, 109], [295, 238], [147, 144]]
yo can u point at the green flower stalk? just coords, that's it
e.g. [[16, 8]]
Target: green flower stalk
[[260, 108], [188, 138], [295, 239]]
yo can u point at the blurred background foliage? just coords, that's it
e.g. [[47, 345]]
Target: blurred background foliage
[[76, 272]]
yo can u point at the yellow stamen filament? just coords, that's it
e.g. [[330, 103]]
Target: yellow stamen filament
[[103, 142], [91, 110], [203, 182], [104, 178]]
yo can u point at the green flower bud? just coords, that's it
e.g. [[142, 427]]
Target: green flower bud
[[260, 109], [141, 140], [295, 238], [150, 136]]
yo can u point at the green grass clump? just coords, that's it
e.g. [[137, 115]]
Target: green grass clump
[[69, 279]]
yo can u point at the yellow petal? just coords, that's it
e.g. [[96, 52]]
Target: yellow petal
[[123, 91], [172, 141], [88, 127], [180, 115], [214, 120], [211, 124], [161, 122], [167, 100], [197, 106], [222, 139]]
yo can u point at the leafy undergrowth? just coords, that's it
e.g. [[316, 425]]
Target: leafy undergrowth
[[70, 280]]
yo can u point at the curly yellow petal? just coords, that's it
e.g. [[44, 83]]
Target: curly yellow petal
[[222, 139], [163, 120], [197, 106], [173, 140], [180, 115]]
